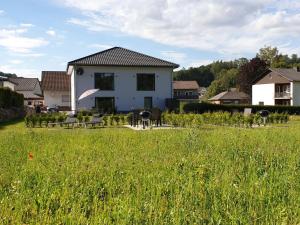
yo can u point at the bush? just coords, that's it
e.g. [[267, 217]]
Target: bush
[[207, 107], [221, 119], [9, 99]]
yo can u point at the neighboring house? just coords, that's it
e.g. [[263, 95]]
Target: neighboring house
[[186, 90], [233, 96], [120, 79], [5, 82], [56, 86], [277, 87], [30, 88]]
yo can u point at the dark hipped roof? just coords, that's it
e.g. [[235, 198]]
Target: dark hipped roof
[[55, 81], [118, 56], [290, 74], [230, 95], [185, 85], [24, 84]]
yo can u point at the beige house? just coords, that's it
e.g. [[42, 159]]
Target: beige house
[[233, 96], [56, 86], [185, 90]]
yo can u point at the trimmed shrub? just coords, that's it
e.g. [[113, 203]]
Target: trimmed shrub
[[9, 99], [207, 107], [221, 119]]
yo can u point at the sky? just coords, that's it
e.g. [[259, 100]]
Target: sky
[[37, 35]]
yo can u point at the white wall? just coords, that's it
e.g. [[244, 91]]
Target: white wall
[[125, 93], [263, 93], [295, 91], [73, 91], [9, 85], [52, 98]]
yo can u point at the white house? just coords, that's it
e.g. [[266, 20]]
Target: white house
[[120, 79], [30, 88], [56, 86], [6, 83], [277, 87]]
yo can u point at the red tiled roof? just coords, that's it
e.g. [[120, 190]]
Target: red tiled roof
[[56, 81], [185, 85]]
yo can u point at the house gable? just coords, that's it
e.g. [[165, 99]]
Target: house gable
[[273, 78]]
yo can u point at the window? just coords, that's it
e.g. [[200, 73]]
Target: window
[[104, 81], [29, 103], [65, 98], [148, 102], [145, 82], [261, 103], [105, 104]]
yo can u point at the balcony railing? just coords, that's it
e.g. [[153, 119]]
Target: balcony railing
[[282, 95]]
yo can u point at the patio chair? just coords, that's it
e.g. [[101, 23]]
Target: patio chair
[[70, 121], [156, 116], [135, 118], [95, 120]]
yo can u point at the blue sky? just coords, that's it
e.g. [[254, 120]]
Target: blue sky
[[38, 35]]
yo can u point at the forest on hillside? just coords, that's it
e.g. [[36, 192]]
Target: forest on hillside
[[240, 73]]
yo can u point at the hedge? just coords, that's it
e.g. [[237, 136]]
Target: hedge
[[222, 119], [207, 107], [43, 120], [10, 99]]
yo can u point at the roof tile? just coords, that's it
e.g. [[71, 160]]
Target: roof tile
[[56, 81], [118, 56]]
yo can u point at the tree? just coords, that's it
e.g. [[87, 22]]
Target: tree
[[249, 73], [202, 75], [7, 74], [226, 80], [268, 54]]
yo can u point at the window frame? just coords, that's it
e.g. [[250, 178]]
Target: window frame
[[149, 98], [105, 73], [147, 74]]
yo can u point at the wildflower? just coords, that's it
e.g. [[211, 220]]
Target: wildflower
[[30, 156]]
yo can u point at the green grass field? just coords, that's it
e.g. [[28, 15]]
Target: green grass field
[[211, 175]]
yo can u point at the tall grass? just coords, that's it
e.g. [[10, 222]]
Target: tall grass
[[217, 175]]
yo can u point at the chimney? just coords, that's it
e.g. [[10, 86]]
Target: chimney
[[297, 68]]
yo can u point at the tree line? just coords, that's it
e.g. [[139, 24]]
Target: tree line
[[240, 73]]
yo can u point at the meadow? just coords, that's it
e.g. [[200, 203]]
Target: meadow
[[204, 175]]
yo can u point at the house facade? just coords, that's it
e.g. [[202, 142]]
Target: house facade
[[120, 80], [6, 83], [30, 88], [56, 86], [232, 96], [277, 87], [185, 90]]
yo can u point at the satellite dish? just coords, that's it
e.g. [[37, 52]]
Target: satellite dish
[[79, 71]]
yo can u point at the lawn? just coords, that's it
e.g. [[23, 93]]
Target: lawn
[[209, 175]]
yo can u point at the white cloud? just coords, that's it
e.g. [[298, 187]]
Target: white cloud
[[15, 61], [20, 71], [51, 32], [100, 46], [1, 12], [174, 56], [232, 27], [201, 62], [26, 25], [14, 40]]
